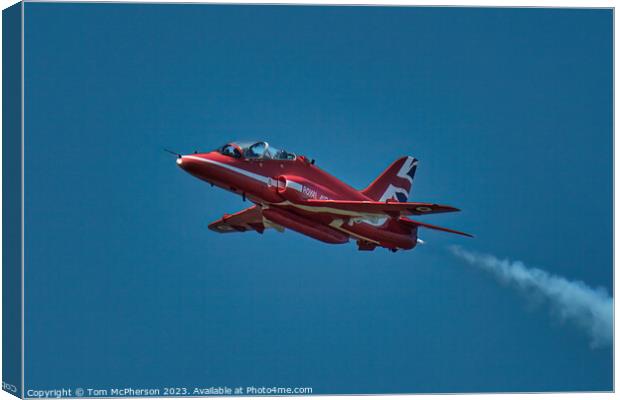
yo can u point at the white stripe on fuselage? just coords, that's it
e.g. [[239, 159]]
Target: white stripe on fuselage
[[369, 218], [337, 223], [331, 210], [244, 172]]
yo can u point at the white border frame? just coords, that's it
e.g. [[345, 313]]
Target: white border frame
[[453, 3]]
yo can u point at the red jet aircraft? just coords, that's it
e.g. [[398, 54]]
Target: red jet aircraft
[[289, 191]]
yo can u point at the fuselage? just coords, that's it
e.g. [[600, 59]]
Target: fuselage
[[280, 187]]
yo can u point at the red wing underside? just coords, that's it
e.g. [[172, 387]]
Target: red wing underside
[[361, 208], [245, 220]]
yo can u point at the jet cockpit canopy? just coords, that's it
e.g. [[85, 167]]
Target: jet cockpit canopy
[[255, 150]]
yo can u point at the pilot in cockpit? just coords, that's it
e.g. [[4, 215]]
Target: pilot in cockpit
[[255, 150], [258, 150]]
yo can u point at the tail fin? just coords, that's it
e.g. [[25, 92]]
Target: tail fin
[[394, 183]]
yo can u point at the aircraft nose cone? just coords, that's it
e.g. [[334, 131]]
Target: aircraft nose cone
[[186, 164], [190, 164]]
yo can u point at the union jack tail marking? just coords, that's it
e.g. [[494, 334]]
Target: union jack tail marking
[[394, 183]]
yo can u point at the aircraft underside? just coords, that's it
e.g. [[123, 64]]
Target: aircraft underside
[[370, 233]]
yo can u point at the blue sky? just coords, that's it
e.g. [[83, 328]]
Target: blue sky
[[508, 110]]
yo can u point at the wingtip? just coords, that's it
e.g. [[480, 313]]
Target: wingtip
[[447, 208], [469, 235], [450, 208]]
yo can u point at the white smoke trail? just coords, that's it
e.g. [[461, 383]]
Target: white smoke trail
[[590, 309]]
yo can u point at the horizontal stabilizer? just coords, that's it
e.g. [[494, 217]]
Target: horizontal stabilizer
[[411, 222], [357, 208]]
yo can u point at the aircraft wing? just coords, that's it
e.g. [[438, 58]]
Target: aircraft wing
[[359, 208], [411, 222], [244, 220]]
